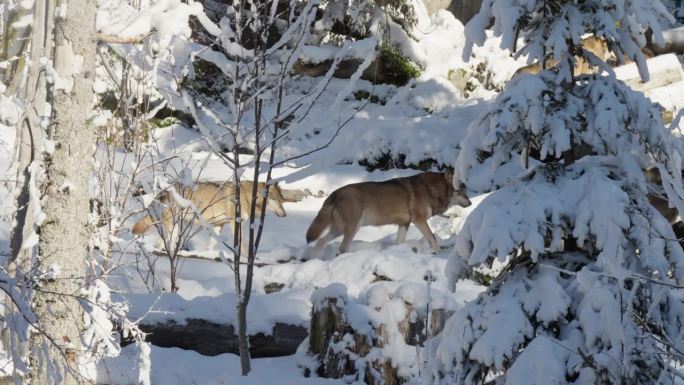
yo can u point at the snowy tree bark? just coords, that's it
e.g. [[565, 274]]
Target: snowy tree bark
[[14, 43], [29, 142], [65, 234]]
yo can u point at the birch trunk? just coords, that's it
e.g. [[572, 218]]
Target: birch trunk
[[69, 171]]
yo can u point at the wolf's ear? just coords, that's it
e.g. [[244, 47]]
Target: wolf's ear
[[274, 188]]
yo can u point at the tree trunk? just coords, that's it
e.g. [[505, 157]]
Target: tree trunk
[[65, 233], [28, 144], [243, 339], [13, 43]]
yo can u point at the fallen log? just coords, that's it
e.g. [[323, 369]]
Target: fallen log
[[663, 70], [294, 195], [664, 86], [345, 69], [211, 339], [671, 98], [673, 42]]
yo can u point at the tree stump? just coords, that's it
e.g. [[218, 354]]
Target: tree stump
[[347, 345]]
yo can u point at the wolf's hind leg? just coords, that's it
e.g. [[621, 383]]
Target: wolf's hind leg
[[317, 250], [211, 244], [401, 233], [349, 234], [321, 242], [347, 221]]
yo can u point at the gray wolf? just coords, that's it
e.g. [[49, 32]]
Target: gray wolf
[[399, 201], [215, 203], [593, 44]]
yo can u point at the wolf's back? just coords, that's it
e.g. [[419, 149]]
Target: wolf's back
[[141, 226]]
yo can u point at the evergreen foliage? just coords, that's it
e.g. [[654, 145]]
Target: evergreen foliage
[[589, 290]]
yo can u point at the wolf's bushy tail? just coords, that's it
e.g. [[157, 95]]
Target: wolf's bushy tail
[[321, 222], [141, 226]]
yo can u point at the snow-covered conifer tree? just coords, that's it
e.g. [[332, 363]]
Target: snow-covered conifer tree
[[588, 291]]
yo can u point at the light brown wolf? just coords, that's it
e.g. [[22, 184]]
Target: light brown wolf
[[659, 200], [399, 201], [593, 44], [216, 204]]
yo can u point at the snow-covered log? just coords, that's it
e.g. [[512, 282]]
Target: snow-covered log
[[663, 70], [670, 97], [665, 85], [211, 338], [673, 42], [345, 69], [296, 195]]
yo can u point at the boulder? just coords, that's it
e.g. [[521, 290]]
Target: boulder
[[463, 10]]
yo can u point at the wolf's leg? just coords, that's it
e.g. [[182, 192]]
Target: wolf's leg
[[166, 226], [244, 248], [349, 233], [169, 237], [401, 233], [175, 237], [321, 242], [159, 243], [347, 218], [211, 244], [231, 224], [244, 245], [424, 228], [317, 250]]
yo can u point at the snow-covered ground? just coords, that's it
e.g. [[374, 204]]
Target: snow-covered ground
[[176, 366]]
